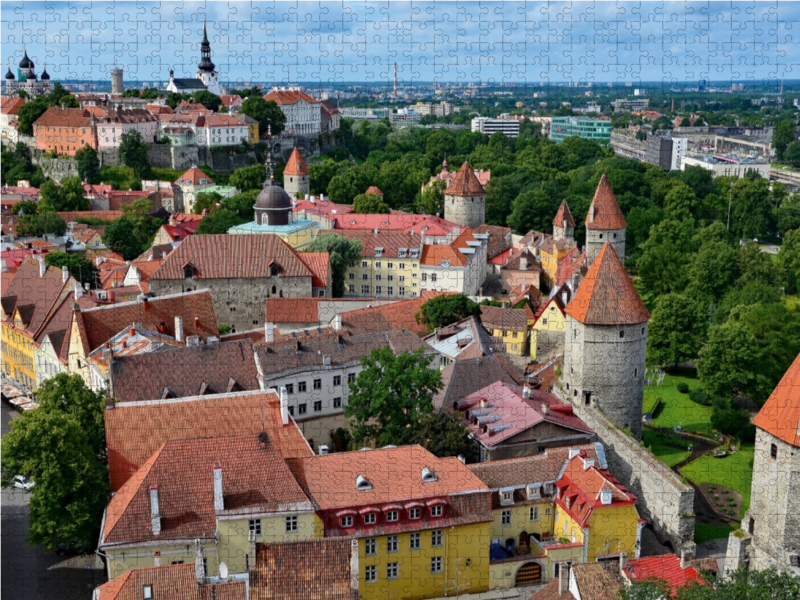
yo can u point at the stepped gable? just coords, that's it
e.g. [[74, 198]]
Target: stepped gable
[[564, 214], [780, 415], [296, 164], [607, 214], [465, 183], [606, 295]]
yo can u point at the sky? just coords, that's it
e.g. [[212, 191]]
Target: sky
[[329, 42]]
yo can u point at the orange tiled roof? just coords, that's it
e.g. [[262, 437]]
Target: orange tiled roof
[[666, 568], [504, 318], [193, 177], [374, 190], [397, 315], [175, 582], [11, 106], [606, 295], [780, 415], [289, 97], [465, 183], [292, 310], [63, 117], [296, 164], [581, 486], [607, 214], [319, 265], [135, 431], [390, 241], [434, 254], [563, 215]]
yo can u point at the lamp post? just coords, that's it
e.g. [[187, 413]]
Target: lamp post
[[730, 198]]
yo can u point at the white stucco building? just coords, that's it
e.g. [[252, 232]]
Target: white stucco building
[[303, 114]]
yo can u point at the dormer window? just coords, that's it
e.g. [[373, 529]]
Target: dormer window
[[436, 511], [147, 592], [445, 263], [402, 252], [428, 475], [378, 252], [362, 483], [346, 521], [548, 488], [188, 272], [415, 253], [413, 513], [534, 491], [392, 516], [274, 270], [370, 518]]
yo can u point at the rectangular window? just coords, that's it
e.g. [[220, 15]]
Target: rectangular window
[[364, 264], [433, 276], [337, 380], [436, 538], [364, 277], [390, 265], [291, 524], [351, 275], [291, 410], [365, 289], [371, 574], [414, 513], [290, 388], [318, 384], [390, 277], [392, 516], [505, 518], [390, 290], [301, 409], [436, 511], [415, 541], [548, 511], [370, 518], [337, 403], [424, 277], [351, 289], [317, 405], [391, 543], [346, 521], [402, 266], [401, 291], [301, 386], [370, 547], [534, 514], [377, 264], [378, 290], [351, 377], [391, 570], [773, 451], [377, 277], [436, 564], [255, 526]]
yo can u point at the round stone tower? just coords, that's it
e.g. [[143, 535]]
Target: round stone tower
[[564, 225], [605, 223], [465, 199], [295, 175], [606, 342]]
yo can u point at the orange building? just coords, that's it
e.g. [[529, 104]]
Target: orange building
[[65, 130]]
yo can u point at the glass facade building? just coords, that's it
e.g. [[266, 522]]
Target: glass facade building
[[590, 129]]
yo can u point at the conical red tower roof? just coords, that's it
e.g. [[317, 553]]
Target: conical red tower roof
[[780, 415], [296, 164], [562, 215], [607, 214], [465, 183], [606, 295]]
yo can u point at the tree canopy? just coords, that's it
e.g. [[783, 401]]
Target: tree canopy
[[133, 153], [81, 269], [370, 204], [268, 114], [445, 309], [342, 252]]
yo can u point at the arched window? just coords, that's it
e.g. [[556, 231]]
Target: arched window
[[274, 289], [265, 219], [188, 272]]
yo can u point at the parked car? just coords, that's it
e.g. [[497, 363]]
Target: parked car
[[23, 483]]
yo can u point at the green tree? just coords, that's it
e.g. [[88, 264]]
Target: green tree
[[681, 203], [445, 309], [88, 164], [61, 446], [81, 269], [370, 204], [68, 197], [345, 186], [33, 225], [205, 201], [665, 256], [268, 114], [342, 252], [785, 133], [440, 434], [789, 261], [734, 421], [25, 207], [791, 155], [500, 192], [685, 123], [208, 100], [119, 236], [242, 204], [29, 113], [174, 99], [219, 221], [320, 174], [432, 199], [390, 396], [137, 213], [713, 270], [438, 145], [248, 178], [751, 208], [133, 153], [677, 330], [533, 209]]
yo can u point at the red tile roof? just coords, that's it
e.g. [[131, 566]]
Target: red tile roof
[[255, 479], [63, 117], [598, 580], [374, 190], [582, 486], [550, 592], [395, 475], [315, 569], [397, 315], [390, 241], [292, 310], [296, 164], [220, 121], [98, 325], [666, 568], [514, 319], [465, 183], [175, 582], [289, 97], [434, 254], [193, 177], [319, 265], [780, 415], [427, 224], [607, 214], [225, 256], [107, 215], [11, 106], [34, 296], [606, 295], [563, 215], [135, 431]]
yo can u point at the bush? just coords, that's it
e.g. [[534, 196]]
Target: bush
[[698, 396], [683, 388], [735, 422]]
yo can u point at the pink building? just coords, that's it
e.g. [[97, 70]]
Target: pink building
[[112, 123]]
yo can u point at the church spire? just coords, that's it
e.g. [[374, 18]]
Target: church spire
[[205, 53]]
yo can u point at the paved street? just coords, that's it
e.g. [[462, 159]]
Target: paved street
[[31, 573]]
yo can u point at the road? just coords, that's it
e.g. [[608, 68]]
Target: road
[[30, 573]]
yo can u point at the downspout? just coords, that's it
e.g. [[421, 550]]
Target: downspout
[[446, 552]]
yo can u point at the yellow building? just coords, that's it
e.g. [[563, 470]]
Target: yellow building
[[228, 492], [422, 530], [549, 249], [28, 303], [252, 128], [508, 324], [533, 533], [549, 328]]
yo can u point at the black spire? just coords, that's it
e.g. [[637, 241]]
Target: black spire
[[9, 75], [26, 63], [45, 76], [205, 53]]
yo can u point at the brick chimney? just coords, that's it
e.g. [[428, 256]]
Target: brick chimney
[[199, 567], [219, 502], [155, 516], [156, 558], [284, 406]]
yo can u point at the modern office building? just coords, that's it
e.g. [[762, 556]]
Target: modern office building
[[598, 130], [508, 127]]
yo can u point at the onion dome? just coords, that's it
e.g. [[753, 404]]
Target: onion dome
[[273, 197], [26, 63], [10, 75], [45, 76]]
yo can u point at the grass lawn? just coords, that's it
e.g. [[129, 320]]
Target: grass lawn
[[677, 408], [669, 455], [704, 532], [734, 471]]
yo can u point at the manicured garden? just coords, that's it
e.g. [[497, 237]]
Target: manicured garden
[[669, 451], [676, 408], [735, 471]]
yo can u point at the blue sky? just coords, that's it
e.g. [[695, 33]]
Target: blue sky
[[530, 42]]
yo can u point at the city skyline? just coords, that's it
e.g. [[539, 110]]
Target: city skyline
[[451, 42]]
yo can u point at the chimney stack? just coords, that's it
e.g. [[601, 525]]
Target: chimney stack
[[78, 290], [269, 332], [219, 502], [178, 328], [523, 264], [526, 392], [563, 579], [284, 406], [354, 568], [623, 562], [155, 516], [199, 567], [337, 322], [251, 551], [146, 305], [156, 559], [686, 557]]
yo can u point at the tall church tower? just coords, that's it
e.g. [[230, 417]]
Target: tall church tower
[[296, 176], [605, 223], [205, 68], [465, 199], [773, 520], [606, 343], [564, 225]]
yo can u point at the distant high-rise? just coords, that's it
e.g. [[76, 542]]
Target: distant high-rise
[[116, 81]]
